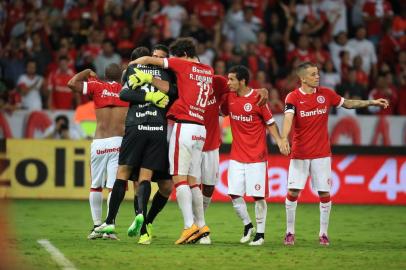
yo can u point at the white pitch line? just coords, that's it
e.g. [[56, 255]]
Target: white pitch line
[[57, 255]]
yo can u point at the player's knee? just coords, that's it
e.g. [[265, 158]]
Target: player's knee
[[165, 187], [324, 197], [208, 190], [293, 194]]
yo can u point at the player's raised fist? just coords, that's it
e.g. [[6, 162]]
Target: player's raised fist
[[139, 78]]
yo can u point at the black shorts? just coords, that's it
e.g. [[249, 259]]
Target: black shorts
[[145, 146]]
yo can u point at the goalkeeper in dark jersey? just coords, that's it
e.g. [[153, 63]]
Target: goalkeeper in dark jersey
[[144, 149]]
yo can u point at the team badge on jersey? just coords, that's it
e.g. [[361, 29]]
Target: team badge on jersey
[[247, 107], [321, 99]]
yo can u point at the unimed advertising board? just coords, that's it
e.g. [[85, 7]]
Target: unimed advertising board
[[61, 169]]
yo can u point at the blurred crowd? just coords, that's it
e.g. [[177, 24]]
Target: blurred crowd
[[360, 45]]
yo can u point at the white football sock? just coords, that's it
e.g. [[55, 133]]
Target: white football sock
[[206, 202], [260, 215], [96, 205], [241, 208], [290, 215], [184, 198], [108, 202], [198, 212], [325, 209]]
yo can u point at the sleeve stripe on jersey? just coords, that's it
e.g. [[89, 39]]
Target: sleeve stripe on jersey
[[341, 102], [84, 88], [166, 63], [290, 111], [270, 121]]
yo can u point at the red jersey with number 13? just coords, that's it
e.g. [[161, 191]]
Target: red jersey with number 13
[[310, 132], [194, 81]]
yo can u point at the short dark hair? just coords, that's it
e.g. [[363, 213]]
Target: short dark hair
[[241, 72], [305, 65], [113, 72], [140, 52], [183, 47], [161, 47], [62, 117], [63, 57]]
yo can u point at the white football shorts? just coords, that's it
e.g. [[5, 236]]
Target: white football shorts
[[319, 170], [249, 179], [209, 168], [185, 149], [104, 161]]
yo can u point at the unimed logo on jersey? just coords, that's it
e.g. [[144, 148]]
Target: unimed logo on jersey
[[107, 150], [314, 112]]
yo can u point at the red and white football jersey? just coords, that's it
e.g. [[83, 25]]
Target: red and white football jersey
[[61, 94], [310, 133], [104, 94], [194, 82], [248, 125], [211, 116]]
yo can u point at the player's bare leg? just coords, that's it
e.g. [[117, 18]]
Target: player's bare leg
[[117, 196], [240, 208], [207, 191], [260, 216], [184, 198], [325, 209], [198, 211], [291, 205]]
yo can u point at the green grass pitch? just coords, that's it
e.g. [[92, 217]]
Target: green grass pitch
[[362, 237]]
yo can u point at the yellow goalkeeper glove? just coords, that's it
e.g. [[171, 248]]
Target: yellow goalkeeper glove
[[158, 98], [139, 78]]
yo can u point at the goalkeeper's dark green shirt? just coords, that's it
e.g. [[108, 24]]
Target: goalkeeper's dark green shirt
[[140, 111]]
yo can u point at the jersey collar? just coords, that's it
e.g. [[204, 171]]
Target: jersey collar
[[301, 91]]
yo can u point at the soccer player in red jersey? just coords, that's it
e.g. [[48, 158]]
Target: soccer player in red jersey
[[110, 115], [194, 81], [247, 173], [309, 107]]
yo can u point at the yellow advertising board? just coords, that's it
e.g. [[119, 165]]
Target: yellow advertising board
[[48, 169]]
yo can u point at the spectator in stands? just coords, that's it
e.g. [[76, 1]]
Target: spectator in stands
[[176, 15], [329, 77], [192, 28], [31, 87], [362, 76], [339, 44], [382, 90], [275, 103], [366, 50], [375, 14], [351, 89], [61, 129], [60, 96], [107, 57], [246, 30], [210, 13], [220, 67]]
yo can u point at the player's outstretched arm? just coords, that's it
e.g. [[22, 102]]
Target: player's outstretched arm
[[283, 147], [76, 82], [355, 104], [148, 60]]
